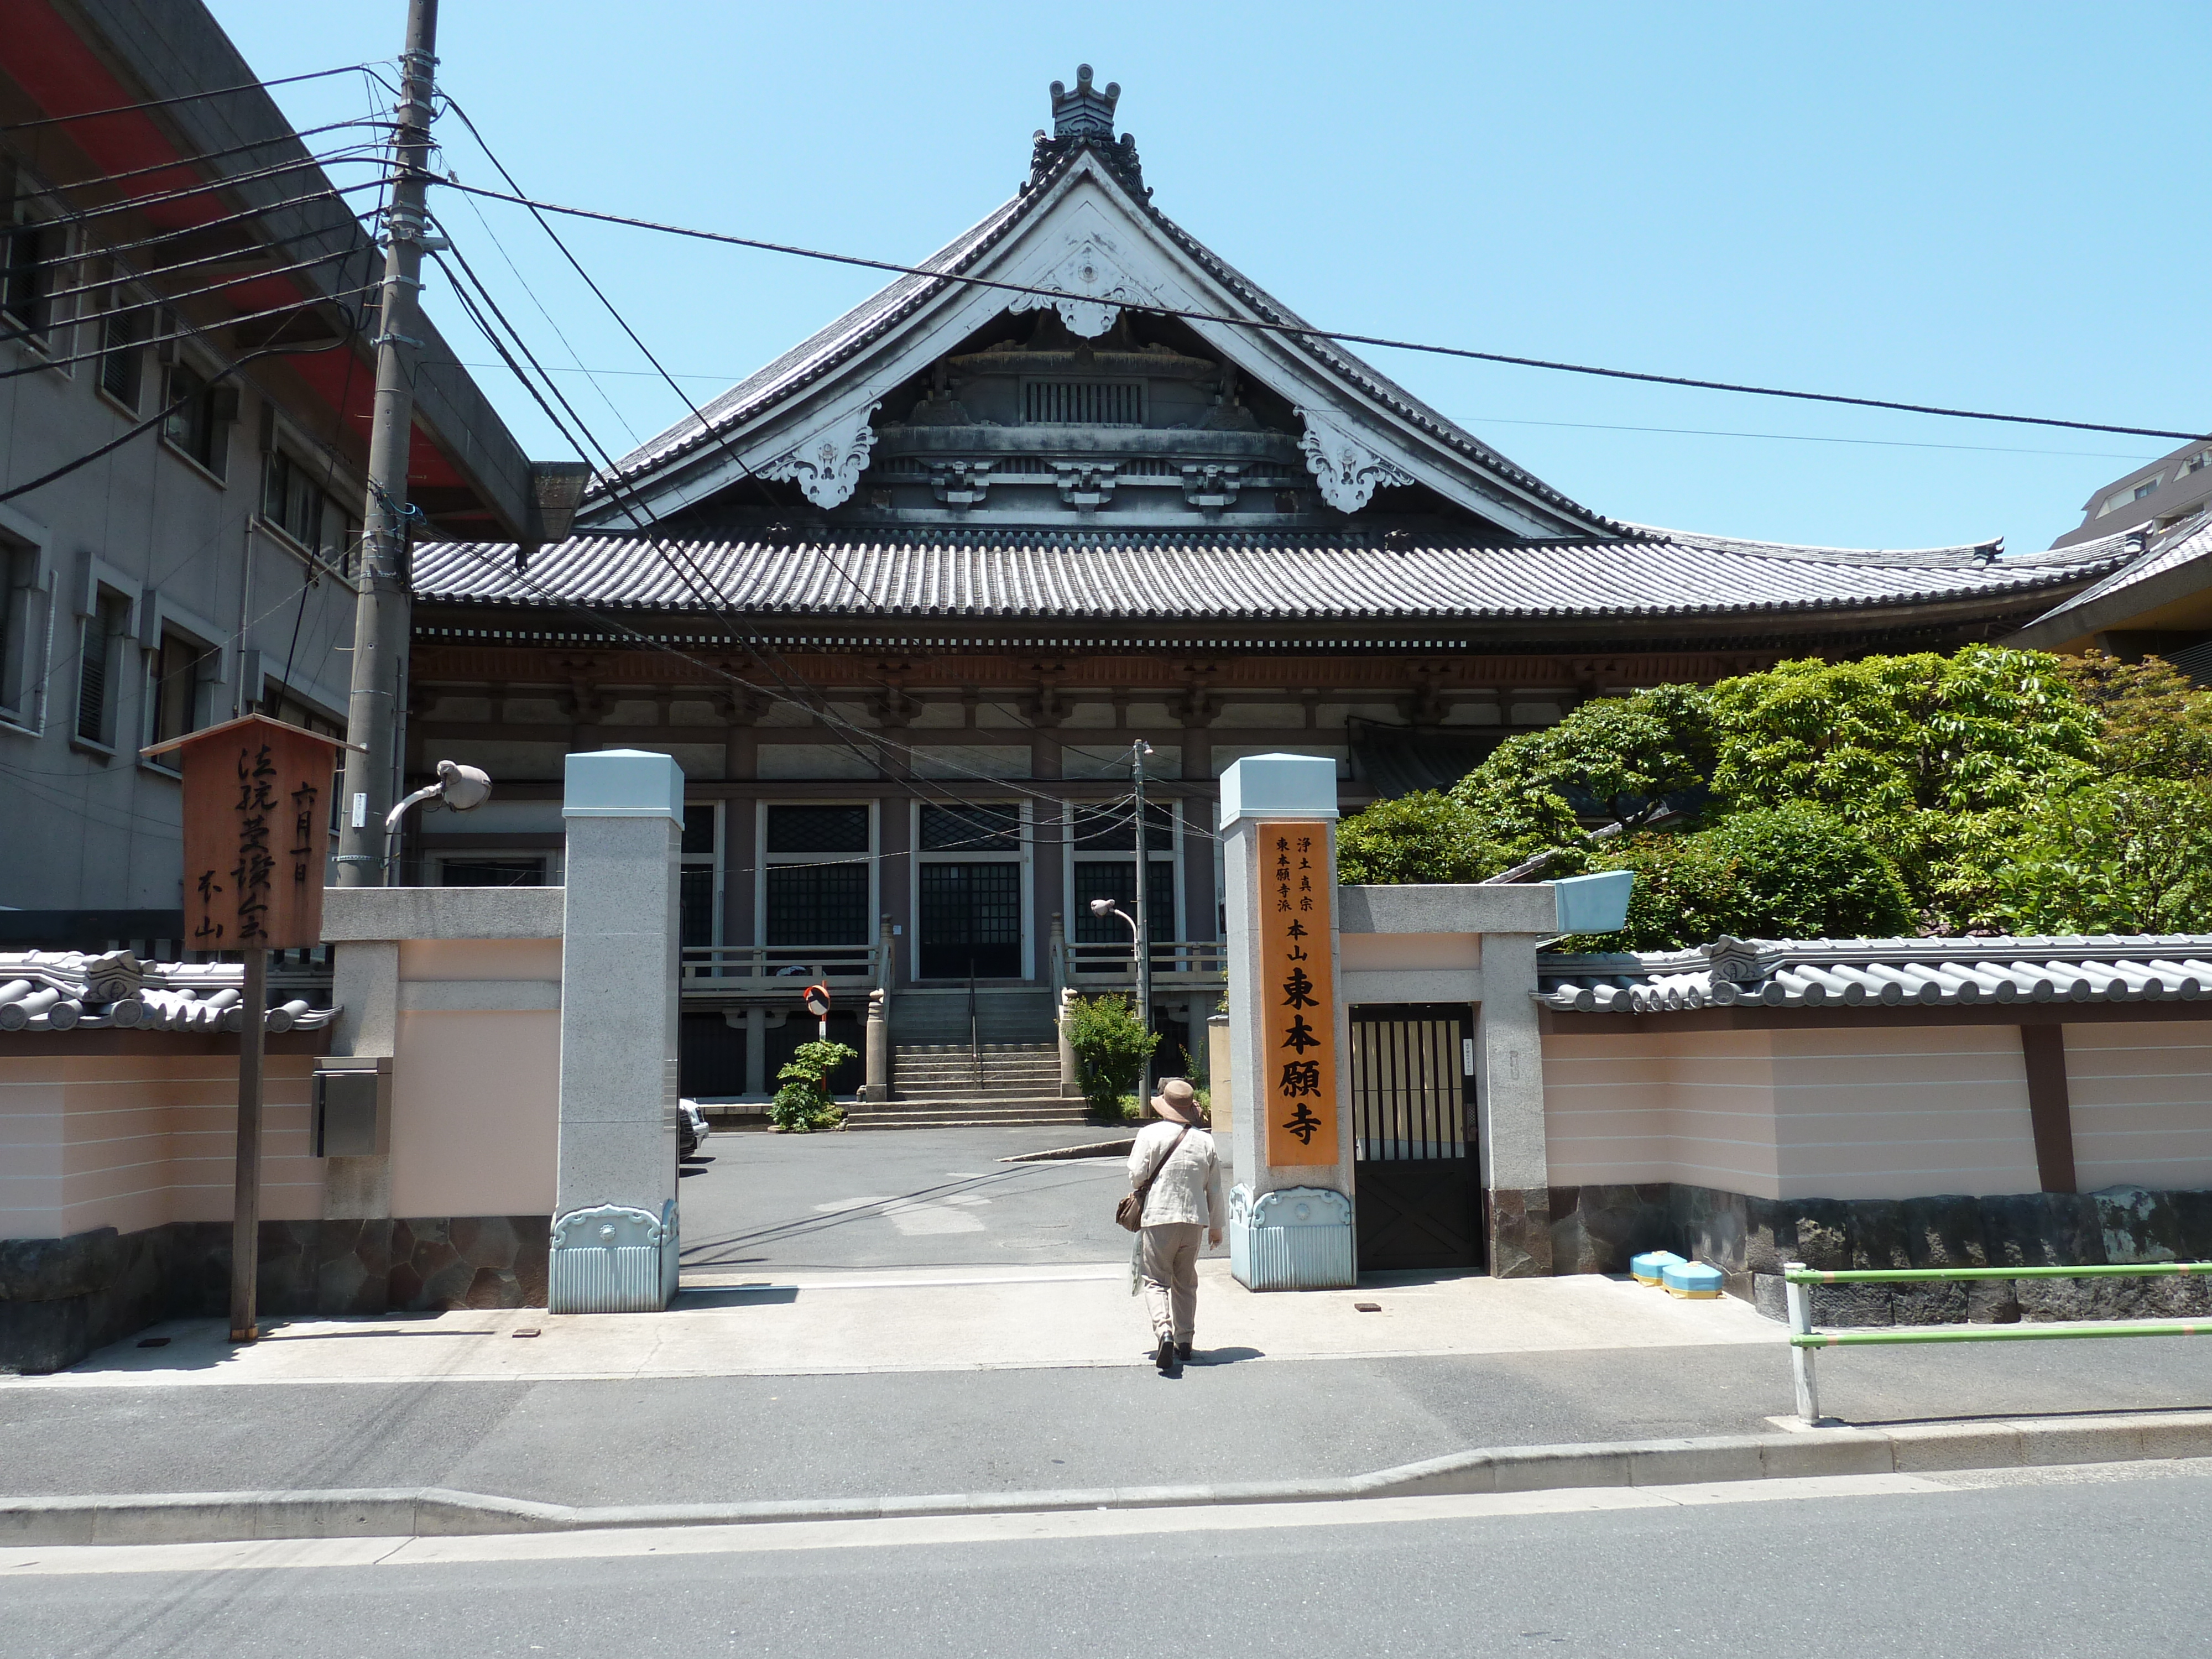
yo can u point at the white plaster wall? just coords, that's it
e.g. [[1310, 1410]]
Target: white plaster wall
[[130, 1141], [476, 1078], [2142, 1104], [1895, 1112]]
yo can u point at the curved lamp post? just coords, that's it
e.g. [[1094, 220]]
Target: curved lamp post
[[458, 789]]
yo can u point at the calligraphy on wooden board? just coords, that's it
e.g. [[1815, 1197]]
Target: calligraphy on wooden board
[[257, 833], [1297, 992]]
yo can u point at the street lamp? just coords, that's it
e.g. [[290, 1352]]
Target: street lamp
[[458, 789], [1104, 907]]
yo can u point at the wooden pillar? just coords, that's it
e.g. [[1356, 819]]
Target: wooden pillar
[[2049, 1109]]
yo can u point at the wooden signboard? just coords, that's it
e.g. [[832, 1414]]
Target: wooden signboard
[[1297, 990], [257, 833]]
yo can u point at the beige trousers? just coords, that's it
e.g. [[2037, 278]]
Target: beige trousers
[[1170, 1270]]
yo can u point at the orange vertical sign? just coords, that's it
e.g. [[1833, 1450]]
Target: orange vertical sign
[[1297, 993], [257, 833]]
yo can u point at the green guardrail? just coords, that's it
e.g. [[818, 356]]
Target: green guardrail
[[1804, 1340]]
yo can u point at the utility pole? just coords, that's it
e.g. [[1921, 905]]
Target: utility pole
[[1137, 751], [381, 613]]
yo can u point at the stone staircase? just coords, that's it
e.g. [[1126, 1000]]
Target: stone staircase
[[934, 1085]]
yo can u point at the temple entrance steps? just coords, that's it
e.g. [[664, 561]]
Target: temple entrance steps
[[925, 1016], [940, 1085]]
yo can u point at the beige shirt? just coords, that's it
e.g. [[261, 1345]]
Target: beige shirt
[[1188, 1188]]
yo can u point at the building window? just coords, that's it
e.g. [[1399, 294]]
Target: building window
[[18, 570], [968, 891], [199, 417], [122, 355], [30, 253], [516, 870], [2128, 494], [100, 661], [176, 674], [816, 879], [293, 498], [699, 894], [2196, 463], [1101, 855]]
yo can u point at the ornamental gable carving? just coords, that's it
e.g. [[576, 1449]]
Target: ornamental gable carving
[[1348, 471], [827, 466]]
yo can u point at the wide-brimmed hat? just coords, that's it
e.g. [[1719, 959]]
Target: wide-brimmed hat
[[1178, 1101]]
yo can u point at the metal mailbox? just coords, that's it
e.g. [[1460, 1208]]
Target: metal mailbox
[[352, 1105]]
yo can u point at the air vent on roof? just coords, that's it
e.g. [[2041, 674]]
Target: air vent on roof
[[1083, 403]]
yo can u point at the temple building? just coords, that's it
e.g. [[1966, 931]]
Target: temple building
[[906, 605]]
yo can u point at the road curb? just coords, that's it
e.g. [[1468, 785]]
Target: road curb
[[215, 1517]]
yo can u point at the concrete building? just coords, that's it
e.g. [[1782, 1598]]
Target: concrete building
[[184, 387]]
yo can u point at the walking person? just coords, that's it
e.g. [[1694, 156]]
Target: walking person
[[1175, 1172]]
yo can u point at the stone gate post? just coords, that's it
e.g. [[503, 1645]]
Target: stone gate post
[[1290, 1213], [614, 1216]]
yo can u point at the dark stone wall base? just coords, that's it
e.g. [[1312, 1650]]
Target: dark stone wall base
[[60, 1298], [1597, 1229], [1518, 1225]]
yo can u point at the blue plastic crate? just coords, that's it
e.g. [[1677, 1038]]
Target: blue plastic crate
[[1693, 1280], [1651, 1267]]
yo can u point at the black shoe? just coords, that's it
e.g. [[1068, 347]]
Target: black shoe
[[1165, 1359], [1182, 1351]]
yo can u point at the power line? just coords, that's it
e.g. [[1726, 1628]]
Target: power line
[[576, 265], [327, 192], [1303, 331], [374, 154], [187, 98], [130, 308], [188, 332], [192, 159], [163, 413]]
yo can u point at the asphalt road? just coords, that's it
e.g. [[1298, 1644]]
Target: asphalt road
[[896, 1198], [699, 1440], [2059, 1567]]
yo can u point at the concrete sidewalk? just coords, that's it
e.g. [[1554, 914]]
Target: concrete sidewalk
[[819, 1323], [827, 1387]]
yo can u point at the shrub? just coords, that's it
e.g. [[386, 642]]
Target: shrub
[[1793, 871], [803, 1105], [1111, 1046], [2131, 855], [1426, 836]]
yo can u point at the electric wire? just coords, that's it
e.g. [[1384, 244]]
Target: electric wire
[[50, 191], [181, 333], [134, 308], [646, 351], [191, 97], [1306, 332], [373, 154], [326, 192], [793, 687]]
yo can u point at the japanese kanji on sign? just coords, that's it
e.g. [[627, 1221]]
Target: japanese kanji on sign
[[257, 833], [1297, 990]]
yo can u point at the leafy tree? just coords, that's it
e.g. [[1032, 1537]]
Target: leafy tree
[[2127, 855], [1792, 871], [1111, 1046], [803, 1105], [1617, 758], [1934, 757], [1424, 837], [2153, 722]]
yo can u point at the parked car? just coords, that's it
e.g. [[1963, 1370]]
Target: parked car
[[692, 1130]]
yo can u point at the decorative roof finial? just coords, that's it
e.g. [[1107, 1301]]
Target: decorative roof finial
[[1083, 117], [1086, 112]]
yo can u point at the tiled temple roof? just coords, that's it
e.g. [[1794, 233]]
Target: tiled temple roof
[[1234, 574], [70, 990], [1882, 972]]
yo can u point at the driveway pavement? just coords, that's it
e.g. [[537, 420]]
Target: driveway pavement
[[903, 1198]]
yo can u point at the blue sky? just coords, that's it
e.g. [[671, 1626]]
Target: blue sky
[[1973, 204]]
